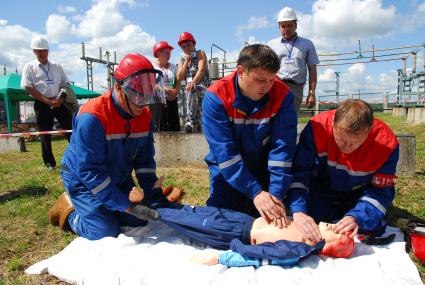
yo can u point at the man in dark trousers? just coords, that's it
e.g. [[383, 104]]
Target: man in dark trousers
[[43, 80]]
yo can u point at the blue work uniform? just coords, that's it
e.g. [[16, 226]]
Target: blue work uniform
[[329, 184], [106, 146], [251, 143]]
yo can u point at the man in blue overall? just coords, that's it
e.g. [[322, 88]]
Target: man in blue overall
[[250, 125], [112, 137], [344, 171]]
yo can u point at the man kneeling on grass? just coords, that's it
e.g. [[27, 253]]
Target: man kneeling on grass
[[252, 242]]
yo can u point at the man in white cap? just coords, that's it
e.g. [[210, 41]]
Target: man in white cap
[[43, 80], [298, 55]]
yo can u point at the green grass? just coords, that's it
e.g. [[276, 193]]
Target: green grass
[[27, 190]]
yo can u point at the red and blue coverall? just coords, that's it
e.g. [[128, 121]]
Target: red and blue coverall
[[329, 184], [251, 143], [107, 145]]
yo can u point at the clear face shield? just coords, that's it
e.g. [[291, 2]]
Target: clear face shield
[[145, 87]]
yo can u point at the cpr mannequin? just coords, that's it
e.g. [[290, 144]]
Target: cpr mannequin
[[336, 245], [252, 240]]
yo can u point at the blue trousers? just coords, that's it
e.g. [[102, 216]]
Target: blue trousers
[[209, 225], [90, 218]]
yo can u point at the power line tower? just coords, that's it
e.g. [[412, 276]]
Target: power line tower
[[89, 66]]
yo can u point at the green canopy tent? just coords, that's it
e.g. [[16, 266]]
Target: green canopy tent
[[11, 93]]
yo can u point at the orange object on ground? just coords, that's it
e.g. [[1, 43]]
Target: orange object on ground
[[175, 194], [167, 190]]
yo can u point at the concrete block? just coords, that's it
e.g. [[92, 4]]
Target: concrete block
[[410, 117], [176, 149], [407, 161], [419, 117], [12, 144], [400, 111]]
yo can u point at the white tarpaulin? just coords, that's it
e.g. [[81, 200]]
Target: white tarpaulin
[[156, 254]]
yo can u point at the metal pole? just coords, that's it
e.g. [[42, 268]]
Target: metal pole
[[360, 51], [337, 87], [91, 75], [8, 108], [4, 70], [224, 59], [83, 50], [400, 86], [423, 54], [404, 65], [414, 62], [386, 96], [108, 73], [100, 53]]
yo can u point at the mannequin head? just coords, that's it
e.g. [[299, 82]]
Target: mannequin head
[[337, 245]]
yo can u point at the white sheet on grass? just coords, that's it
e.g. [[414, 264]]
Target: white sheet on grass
[[156, 254]]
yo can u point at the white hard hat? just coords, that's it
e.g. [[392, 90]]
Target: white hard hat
[[287, 14], [39, 42]]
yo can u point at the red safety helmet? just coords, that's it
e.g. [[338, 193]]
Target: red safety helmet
[[186, 36], [159, 46], [141, 83]]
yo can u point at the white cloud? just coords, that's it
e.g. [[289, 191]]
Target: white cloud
[[342, 22], [356, 70], [68, 55], [252, 40], [122, 38], [386, 81], [327, 75], [352, 18], [134, 3], [130, 39], [57, 27], [411, 22], [66, 9], [102, 20], [15, 48], [326, 84], [356, 78], [254, 23]]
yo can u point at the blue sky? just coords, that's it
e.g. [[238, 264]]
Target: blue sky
[[134, 26]]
